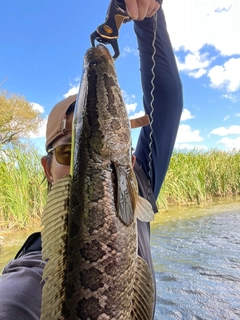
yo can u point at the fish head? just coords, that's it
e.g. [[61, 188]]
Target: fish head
[[101, 119]]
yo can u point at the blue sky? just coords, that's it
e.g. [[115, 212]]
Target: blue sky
[[43, 44]]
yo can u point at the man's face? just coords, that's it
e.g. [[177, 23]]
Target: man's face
[[53, 169]]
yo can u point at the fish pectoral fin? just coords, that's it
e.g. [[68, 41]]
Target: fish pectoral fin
[[144, 211], [126, 193], [143, 292]]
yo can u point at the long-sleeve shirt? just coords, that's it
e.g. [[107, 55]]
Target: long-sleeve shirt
[[156, 141], [21, 282]]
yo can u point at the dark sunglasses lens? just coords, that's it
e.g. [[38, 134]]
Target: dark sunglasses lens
[[63, 154]]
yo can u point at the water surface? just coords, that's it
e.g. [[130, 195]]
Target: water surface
[[13, 241], [196, 255]]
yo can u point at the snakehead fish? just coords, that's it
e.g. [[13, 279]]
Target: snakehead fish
[[89, 236]]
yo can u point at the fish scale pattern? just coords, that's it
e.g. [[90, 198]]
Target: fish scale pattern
[[106, 264], [93, 270]]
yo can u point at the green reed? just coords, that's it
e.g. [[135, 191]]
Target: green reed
[[22, 194], [198, 176], [192, 177]]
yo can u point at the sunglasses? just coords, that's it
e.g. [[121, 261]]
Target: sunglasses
[[62, 153]]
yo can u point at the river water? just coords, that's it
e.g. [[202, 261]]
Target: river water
[[196, 253]]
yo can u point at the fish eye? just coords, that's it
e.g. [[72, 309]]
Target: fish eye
[[92, 63]]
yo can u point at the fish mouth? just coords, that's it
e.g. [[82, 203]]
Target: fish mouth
[[99, 52], [103, 50]]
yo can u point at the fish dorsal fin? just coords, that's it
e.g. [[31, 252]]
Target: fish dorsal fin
[[144, 211], [143, 296], [126, 193], [54, 220]]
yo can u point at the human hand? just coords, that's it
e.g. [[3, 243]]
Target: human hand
[[140, 9]]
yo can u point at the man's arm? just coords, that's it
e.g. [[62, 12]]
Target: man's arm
[[168, 101], [21, 288], [167, 109]]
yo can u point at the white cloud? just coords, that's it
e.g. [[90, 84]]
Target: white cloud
[[41, 131], [195, 61], [237, 114], [222, 131], [233, 97], [77, 79], [186, 115], [226, 75], [129, 100], [197, 74], [206, 22], [128, 97], [187, 146], [227, 117], [74, 87], [230, 143], [37, 107], [187, 134], [211, 26], [131, 107], [127, 50], [137, 115], [73, 90]]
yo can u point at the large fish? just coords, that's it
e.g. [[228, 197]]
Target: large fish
[[90, 237]]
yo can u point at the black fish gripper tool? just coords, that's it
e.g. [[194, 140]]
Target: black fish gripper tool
[[108, 32]]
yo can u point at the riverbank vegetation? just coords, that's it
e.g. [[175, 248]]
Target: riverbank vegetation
[[193, 177], [196, 177], [22, 193]]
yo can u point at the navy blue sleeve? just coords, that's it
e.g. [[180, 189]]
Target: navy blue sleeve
[[21, 288], [168, 101]]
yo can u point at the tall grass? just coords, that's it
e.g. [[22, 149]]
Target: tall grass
[[192, 177], [197, 177], [22, 196]]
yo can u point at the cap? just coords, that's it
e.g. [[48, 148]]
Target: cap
[[57, 124]]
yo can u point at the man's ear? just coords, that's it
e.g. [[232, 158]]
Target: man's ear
[[47, 168]]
